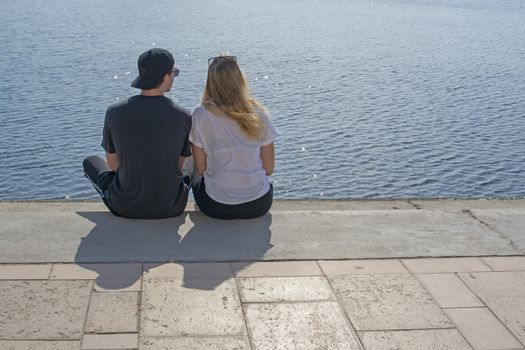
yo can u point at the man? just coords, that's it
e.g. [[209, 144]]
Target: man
[[146, 143]]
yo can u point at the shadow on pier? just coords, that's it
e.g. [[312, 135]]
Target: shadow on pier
[[191, 237]]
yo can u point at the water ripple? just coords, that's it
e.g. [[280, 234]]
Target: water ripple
[[418, 99]]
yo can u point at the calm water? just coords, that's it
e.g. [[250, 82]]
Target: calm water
[[371, 98]]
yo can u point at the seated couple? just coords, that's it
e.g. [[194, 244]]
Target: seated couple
[[148, 139]]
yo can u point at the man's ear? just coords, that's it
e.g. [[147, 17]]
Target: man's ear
[[165, 79]]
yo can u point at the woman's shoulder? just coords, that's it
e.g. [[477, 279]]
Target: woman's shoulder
[[200, 115], [263, 115], [199, 110]]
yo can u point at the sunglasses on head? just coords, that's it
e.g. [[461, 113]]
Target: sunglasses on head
[[222, 58]]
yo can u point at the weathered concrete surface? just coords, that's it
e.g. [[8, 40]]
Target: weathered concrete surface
[[109, 341], [43, 309], [438, 339], [282, 289], [509, 222], [367, 299], [289, 326], [294, 230], [504, 294], [344, 304], [509, 263], [38, 345], [195, 343], [113, 313], [449, 291], [482, 329], [447, 265], [170, 308]]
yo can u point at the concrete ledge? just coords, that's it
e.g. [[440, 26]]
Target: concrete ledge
[[84, 232]]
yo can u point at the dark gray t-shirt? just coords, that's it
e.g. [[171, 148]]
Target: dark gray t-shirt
[[149, 133]]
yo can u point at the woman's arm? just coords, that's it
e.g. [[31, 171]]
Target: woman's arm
[[199, 157], [268, 158]]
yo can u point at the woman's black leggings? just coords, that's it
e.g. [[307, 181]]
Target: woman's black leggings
[[248, 210]]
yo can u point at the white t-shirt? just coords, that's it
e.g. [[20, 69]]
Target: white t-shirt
[[234, 171]]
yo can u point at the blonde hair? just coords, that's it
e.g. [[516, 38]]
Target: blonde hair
[[227, 91]]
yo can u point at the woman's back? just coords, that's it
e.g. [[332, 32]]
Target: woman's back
[[232, 143], [234, 172]]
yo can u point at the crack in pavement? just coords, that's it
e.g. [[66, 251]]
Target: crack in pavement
[[414, 204], [501, 234]]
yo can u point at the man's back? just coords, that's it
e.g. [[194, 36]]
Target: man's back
[[148, 133]]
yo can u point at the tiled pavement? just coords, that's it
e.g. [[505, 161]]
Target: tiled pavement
[[413, 304]]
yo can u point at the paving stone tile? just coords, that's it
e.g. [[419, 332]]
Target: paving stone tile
[[482, 329], [170, 309], [435, 339], [276, 289], [193, 270], [113, 313], [511, 311], [109, 277], [25, 272], [93, 271], [387, 302], [445, 265], [43, 309], [277, 269], [506, 263], [496, 284], [39, 345], [362, 267], [109, 341], [195, 343], [449, 291], [305, 326]]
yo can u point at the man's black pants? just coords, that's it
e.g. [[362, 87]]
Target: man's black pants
[[101, 176]]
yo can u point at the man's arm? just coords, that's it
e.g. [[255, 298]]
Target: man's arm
[[268, 158], [112, 160], [200, 159]]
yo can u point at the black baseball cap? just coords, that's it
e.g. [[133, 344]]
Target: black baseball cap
[[153, 65]]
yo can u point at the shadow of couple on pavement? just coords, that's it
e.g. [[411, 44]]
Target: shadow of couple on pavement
[[191, 237]]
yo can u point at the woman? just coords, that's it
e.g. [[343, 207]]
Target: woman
[[232, 143]]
